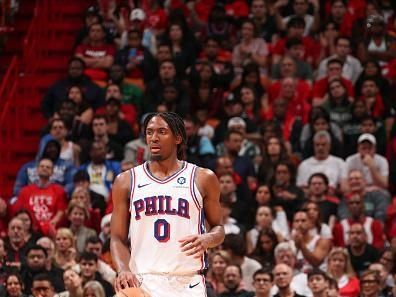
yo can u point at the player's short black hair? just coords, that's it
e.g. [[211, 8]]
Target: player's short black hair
[[176, 124]]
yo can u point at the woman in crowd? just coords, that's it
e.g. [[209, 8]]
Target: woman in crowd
[[316, 222], [77, 214], [264, 248], [31, 234], [250, 49], [183, 49], [320, 121], [204, 90], [93, 289], [337, 103], [251, 104], [274, 151], [65, 250], [218, 262], [85, 111], [266, 218], [73, 284], [340, 268], [372, 69], [286, 193], [14, 285], [83, 196]]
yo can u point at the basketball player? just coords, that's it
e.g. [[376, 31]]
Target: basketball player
[[165, 205]]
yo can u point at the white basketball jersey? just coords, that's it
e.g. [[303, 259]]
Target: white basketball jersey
[[162, 212]]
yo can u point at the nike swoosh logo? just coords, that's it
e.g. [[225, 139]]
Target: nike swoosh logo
[[141, 186], [192, 286]]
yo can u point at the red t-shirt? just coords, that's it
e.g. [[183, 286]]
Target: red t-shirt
[[99, 51], [321, 86], [373, 228], [237, 9], [156, 19], [303, 91], [128, 111], [41, 203], [312, 48], [351, 289]]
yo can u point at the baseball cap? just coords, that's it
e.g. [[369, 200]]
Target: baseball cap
[[230, 98], [92, 10], [137, 15], [367, 137], [236, 121]]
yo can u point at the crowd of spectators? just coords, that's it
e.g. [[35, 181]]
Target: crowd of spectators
[[291, 104]]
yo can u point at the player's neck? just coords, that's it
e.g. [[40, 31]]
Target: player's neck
[[165, 168]]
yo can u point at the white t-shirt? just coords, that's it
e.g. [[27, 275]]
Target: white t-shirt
[[355, 162], [249, 267], [333, 167]]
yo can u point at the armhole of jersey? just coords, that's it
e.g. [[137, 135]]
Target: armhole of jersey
[[132, 187], [197, 196]]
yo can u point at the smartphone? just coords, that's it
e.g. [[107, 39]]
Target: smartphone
[[132, 53]]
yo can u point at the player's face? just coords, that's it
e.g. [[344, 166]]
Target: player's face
[[160, 139]]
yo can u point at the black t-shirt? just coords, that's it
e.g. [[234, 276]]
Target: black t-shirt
[[362, 262], [328, 207]]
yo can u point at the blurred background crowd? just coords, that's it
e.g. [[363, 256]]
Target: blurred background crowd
[[290, 103]]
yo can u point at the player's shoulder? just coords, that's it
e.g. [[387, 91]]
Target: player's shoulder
[[205, 176]]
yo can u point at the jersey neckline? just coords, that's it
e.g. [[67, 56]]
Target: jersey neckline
[[167, 179]]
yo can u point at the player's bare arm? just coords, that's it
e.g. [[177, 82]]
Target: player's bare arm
[[208, 186], [119, 232]]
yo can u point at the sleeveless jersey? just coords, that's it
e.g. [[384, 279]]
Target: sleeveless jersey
[[162, 212]]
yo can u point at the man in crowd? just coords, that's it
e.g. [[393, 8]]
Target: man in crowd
[[282, 278], [42, 286], [376, 202], [374, 167], [318, 282], [333, 167], [262, 282], [373, 228], [232, 282], [362, 253], [58, 91], [44, 200]]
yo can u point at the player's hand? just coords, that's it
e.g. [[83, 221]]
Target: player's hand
[[194, 245], [125, 279]]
